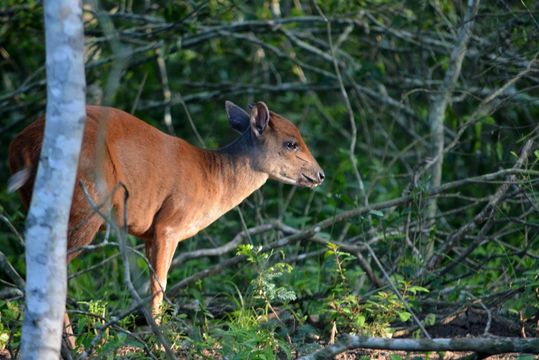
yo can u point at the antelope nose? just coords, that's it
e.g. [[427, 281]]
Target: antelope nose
[[321, 176]]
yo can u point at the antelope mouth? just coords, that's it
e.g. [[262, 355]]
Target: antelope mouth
[[285, 179], [308, 181]]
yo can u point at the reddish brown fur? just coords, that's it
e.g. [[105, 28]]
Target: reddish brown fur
[[175, 189]]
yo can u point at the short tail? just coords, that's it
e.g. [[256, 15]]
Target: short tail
[[18, 179]]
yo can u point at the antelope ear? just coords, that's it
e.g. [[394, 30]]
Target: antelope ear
[[260, 117], [237, 117]]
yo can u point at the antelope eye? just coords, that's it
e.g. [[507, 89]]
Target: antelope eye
[[291, 145]]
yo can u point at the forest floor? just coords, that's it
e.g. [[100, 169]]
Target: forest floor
[[392, 355], [471, 323]]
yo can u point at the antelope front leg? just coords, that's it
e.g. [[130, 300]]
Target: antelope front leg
[[68, 333], [162, 251]]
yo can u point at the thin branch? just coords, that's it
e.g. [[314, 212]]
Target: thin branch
[[167, 117], [11, 272], [480, 218], [351, 116], [17, 234], [229, 246]]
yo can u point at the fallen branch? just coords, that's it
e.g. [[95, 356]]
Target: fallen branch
[[483, 345]]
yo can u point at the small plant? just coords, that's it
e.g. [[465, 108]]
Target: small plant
[[264, 287], [10, 332], [372, 316], [249, 332], [266, 290], [88, 325], [96, 313], [247, 338]]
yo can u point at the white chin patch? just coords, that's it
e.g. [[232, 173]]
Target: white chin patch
[[286, 179]]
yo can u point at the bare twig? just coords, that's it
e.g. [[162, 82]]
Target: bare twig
[[11, 272], [230, 246], [17, 234], [167, 95], [351, 117]]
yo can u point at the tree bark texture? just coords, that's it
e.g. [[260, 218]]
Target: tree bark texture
[[47, 222]]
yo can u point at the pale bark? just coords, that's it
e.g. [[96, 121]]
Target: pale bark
[[47, 223]]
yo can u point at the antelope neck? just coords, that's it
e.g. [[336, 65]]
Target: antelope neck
[[233, 170]]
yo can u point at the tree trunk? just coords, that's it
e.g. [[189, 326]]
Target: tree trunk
[[47, 222], [441, 101]]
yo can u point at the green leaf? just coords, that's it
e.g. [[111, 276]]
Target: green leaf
[[430, 320], [359, 321], [404, 316], [489, 120], [122, 337], [416, 289], [4, 338]]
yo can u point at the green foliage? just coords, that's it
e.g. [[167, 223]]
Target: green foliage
[[263, 286], [372, 316], [252, 331], [246, 338], [88, 326], [266, 289], [10, 330]]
